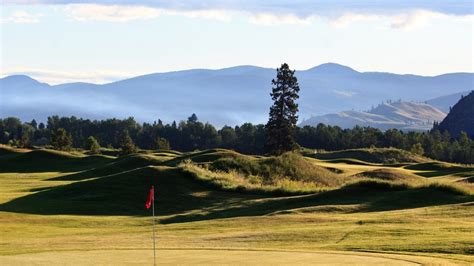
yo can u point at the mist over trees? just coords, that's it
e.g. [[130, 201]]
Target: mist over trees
[[192, 134]]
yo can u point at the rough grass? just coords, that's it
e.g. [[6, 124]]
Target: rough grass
[[432, 166], [371, 155], [103, 209], [439, 169], [291, 166], [45, 160], [391, 175], [236, 181], [450, 188], [119, 165], [7, 150]]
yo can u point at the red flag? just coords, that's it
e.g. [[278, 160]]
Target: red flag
[[151, 197]]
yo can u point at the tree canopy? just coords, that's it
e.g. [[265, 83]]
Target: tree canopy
[[246, 138], [281, 124]]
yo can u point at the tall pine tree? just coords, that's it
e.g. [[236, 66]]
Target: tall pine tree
[[283, 113]]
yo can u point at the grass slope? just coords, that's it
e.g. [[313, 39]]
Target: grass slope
[[391, 175], [375, 155], [45, 160], [99, 200], [118, 186]]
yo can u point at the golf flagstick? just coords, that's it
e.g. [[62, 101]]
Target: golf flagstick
[[150, 202], [153, 211]]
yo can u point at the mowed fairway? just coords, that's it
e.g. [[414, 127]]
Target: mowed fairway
[[219, 257], [57, 210]]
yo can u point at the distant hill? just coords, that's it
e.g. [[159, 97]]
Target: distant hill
[[461, 117], [223, 96], [401, 115], [443, 103]]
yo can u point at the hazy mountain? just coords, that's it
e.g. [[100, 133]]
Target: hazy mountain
[[401, 115], [445, 102], [224, 96], [461, 117]]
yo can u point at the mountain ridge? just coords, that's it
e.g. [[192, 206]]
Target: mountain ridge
[[400, 115], [460, 118], [224, 96], [323, 67]]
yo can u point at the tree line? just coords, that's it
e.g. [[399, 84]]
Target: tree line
[[279, 135], [192, 134]]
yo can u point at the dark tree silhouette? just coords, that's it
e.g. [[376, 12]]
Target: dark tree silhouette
[[126, 144], [283, 113], [61, 140], [92, 145]]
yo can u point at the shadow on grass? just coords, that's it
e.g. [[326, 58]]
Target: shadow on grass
[[434, 169], [368, 199], [184, 199], [388, 156], [124, 194], [205, 156], [49, 161], [116, 166]]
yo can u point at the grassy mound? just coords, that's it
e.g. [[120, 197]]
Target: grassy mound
[[383, 185], [50, 161], [118, 165], [7, 150], [236, 182], [390, 175], [290, 166], [123, 194], [434, 169], [431, 166], [207, 156], [372, 155], [187, 198], [469, 179], [167, 152], [214, 183]]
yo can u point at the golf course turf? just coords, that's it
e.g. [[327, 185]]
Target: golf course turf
[[219, 206]]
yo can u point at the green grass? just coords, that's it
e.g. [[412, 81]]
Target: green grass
[[269, 170], [45, 160], [370, 155], [235, 181], [219, 199], [391, 175]]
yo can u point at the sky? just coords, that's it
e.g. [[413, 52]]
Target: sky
[[103, 41]]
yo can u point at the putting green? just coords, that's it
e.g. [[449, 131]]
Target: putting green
[[216, 257]]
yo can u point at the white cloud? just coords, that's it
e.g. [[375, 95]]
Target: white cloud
[[269, 19], [413, 20], [220, 15], [123, 13], [58, 77], [22, 17], [111, 13], [350, 18], [390, 15], [405, 20]]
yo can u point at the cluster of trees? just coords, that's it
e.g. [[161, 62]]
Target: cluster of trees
[[435, 144], [66, 132], [279, 135], [72, 132]]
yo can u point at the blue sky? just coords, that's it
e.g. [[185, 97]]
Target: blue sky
[[103, 41]]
